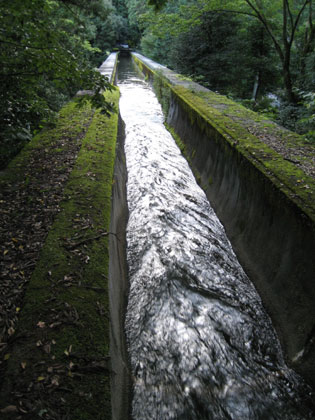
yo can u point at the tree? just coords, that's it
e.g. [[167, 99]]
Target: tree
[[45, 58], [281, 19], [223, 51]]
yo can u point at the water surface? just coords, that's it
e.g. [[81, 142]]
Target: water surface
[[201, 345]]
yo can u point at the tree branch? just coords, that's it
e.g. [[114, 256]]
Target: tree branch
[[21, 74], [309, 32], [298, 18], [250, 4], [290, 14], [238, 12], [263, 20], [75, 15], [284, 25], [31, 47]]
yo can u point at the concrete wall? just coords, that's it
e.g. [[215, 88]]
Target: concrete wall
[[271, 225], [118, 284], [118, 277]]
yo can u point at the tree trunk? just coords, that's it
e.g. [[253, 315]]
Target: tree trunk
[[255, 88], [286, 58], [292, 98]]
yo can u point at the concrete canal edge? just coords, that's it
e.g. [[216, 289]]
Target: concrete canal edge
[[268, 213], [118, 285], [59, 360]]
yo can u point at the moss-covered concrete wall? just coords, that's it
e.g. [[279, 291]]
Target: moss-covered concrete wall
[[264, 201], [57, 363]]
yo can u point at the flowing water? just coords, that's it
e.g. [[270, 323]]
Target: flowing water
[[200, 343]]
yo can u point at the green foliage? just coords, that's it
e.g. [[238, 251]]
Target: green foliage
[[156, 48], [301, 117], [98, 100], [243, 49], [226, 57], [45, 58], [264, 105]]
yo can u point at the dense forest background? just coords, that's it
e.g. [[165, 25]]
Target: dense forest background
[[258, 52]]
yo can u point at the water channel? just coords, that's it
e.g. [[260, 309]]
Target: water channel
[[200, 343]]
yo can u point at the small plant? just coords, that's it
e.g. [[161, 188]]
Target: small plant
[[306, 122]]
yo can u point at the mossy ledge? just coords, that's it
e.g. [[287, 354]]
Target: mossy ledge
[[59, 358], [265, 202]]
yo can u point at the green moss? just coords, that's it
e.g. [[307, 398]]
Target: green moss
[[138, 62], [247, 118], [162, 91], [68, 291], [285, 175], [184, 78], [227, 122], [177, 139], [71, 122]]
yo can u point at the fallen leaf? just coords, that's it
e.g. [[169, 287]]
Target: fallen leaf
[[55, 380], [41, 378], [21, 410], [11, 331], [5, 252], [41, 324], [23, 365], [9, 409], [55, 324], [42, 412], [47, 348]]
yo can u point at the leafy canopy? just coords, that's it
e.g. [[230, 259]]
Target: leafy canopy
[[45, 58]]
